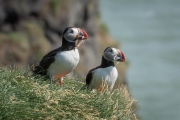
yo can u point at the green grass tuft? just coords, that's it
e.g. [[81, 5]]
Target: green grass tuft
[[23, 96]]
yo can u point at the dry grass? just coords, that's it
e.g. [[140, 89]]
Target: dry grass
[[22, 96]]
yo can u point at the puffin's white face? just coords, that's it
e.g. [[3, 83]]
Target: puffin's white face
[[71, 34], [74, 34], [113, 54]]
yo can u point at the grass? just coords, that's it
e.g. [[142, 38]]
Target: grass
[[23, 96]]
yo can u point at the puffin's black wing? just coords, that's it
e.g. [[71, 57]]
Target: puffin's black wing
[[52, 53], [46, 62], [90, 76], [43, 65]]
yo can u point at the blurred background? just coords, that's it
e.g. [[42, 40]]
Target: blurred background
[[149, 33], [29, 29], [146, 31]]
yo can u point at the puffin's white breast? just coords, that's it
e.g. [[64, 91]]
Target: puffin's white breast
[[65, 62], [108, 74]]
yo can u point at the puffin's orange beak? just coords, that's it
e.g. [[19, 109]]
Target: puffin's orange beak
[[82, 35], [121, 57]]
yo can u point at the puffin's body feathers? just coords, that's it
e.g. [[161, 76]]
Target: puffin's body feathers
[[65, 62], [46, 61], [104, 72], [100, 75]]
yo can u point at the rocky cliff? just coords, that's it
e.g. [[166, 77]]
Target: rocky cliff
[[31, 28]]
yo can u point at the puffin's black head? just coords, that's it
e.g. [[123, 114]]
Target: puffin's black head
[[74, 36], [114, 54]]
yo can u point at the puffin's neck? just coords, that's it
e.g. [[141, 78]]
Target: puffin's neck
[[106, 63], [66, 45]]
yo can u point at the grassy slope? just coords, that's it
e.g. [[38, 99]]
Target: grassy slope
[[24, 97]]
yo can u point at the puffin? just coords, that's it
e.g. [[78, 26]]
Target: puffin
[[105, 75], [61, 61]]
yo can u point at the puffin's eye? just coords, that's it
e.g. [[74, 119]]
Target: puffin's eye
[[111, 50], [71, 31]]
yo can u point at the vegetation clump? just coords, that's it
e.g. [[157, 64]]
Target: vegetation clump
[[23, 96]]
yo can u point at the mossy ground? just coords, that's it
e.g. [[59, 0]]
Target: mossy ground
[[23, 96]]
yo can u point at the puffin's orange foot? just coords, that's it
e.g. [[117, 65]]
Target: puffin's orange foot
[[61, 82]]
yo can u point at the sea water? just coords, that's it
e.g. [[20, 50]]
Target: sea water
[[149, 33]]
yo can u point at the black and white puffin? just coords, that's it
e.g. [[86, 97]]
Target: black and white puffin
[[107, 71], [64, 59]]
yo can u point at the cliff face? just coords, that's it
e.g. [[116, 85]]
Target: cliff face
[[31, 28]]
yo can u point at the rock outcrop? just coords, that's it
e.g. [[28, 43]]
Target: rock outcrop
[[31, 28]]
